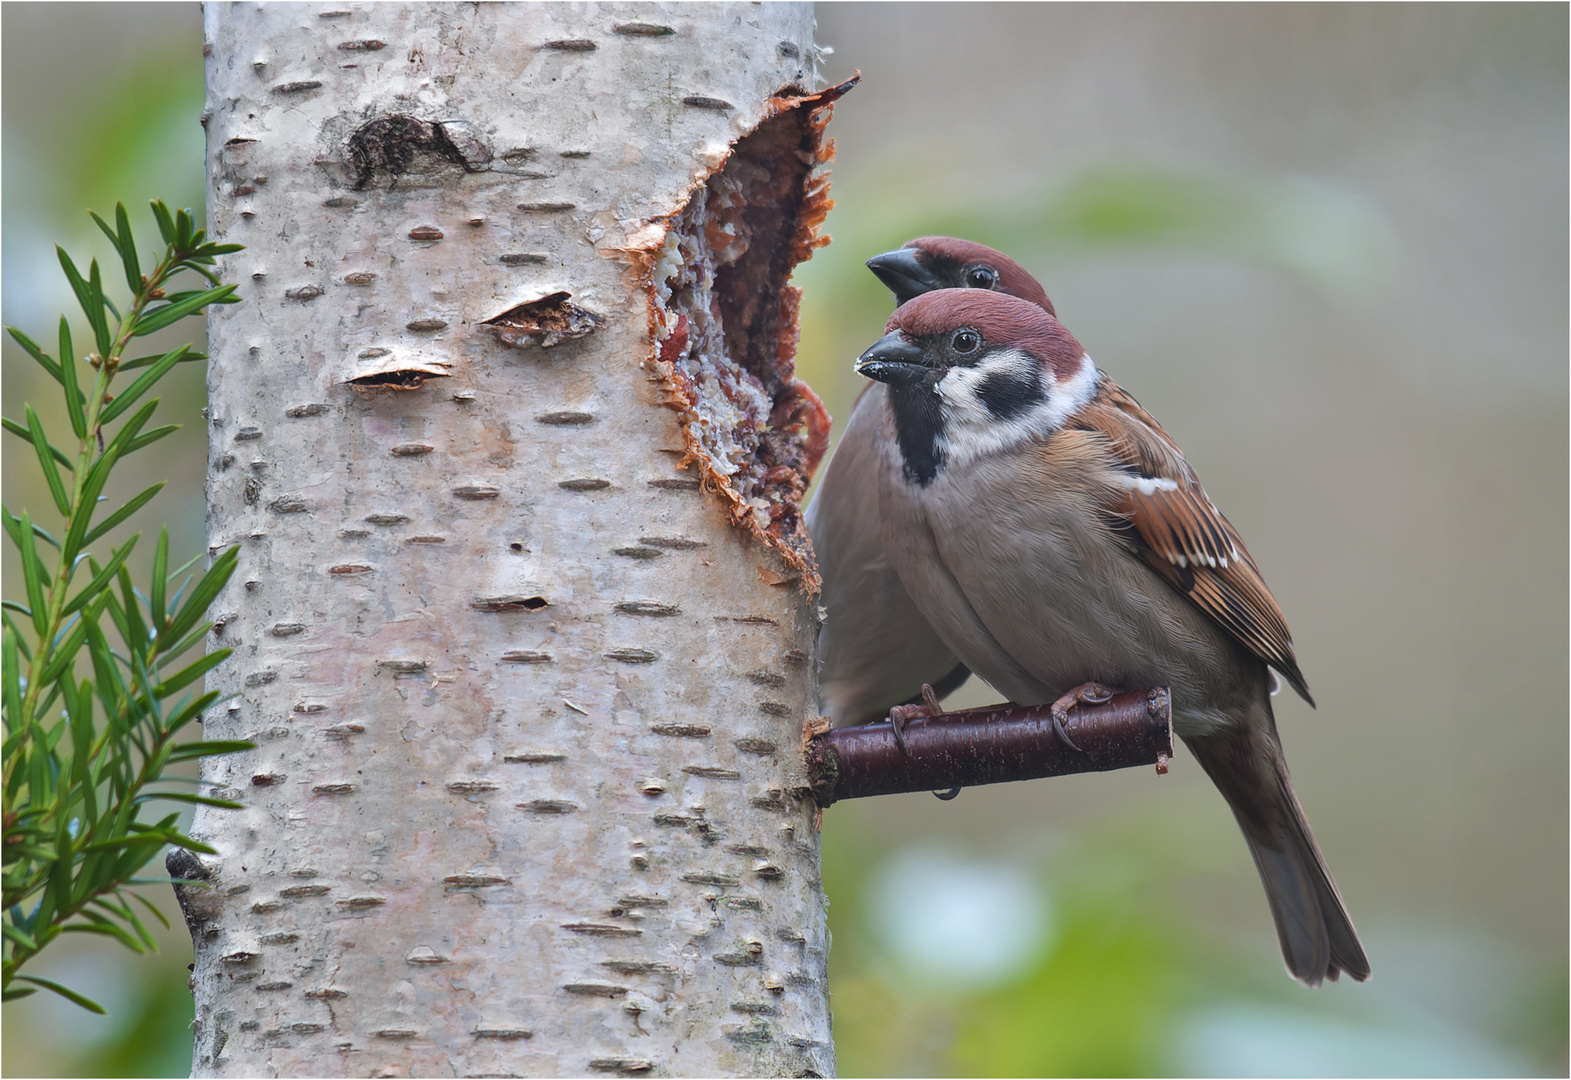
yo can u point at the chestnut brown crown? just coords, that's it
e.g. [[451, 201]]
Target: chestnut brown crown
[[1002, 321], [949, 259]]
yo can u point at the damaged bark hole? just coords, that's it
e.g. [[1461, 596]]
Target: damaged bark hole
[[726, 322], [390, 371], [400, 144], [548, 321], [509, 603]]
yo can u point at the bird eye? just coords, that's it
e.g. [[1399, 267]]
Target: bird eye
[[981, 277], [966, 341]]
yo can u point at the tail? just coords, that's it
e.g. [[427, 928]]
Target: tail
[[1246, 764]]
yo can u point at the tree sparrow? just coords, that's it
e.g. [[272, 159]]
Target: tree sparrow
[[1061, 546], [876, 650]]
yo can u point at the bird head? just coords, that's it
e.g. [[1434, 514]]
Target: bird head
[[973, 372], [943, 262]]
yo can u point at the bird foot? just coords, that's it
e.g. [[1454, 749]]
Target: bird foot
[[901, 715], [1091, 693]]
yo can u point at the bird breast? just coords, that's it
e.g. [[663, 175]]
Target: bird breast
[[1011, 558], [875, 647]]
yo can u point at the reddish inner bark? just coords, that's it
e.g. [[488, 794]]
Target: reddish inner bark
[[727, 323]]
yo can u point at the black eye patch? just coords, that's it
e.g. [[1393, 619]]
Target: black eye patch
[[1009, 393]]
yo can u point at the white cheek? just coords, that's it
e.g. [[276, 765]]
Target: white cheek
[[961, 393], [1067, 396], [971, 430]]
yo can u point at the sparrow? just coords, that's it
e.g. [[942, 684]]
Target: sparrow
[[1053, 535], [876, 650]]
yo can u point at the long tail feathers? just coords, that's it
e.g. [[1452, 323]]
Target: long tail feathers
[[1317, 937]]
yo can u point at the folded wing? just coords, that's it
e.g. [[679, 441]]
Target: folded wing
[[1163, 513]]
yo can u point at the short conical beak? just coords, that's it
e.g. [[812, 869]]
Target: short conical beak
[[893, 360], [903, 273]]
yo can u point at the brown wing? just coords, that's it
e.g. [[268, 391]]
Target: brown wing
[[1164, 513]]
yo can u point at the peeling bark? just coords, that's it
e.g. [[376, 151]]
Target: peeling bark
[[525, 644]]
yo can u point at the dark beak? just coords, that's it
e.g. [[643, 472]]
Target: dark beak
[[903, 274], [893, 360]]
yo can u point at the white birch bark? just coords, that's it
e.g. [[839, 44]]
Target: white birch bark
[[528, 796]]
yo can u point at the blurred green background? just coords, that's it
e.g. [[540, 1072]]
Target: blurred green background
[[1327, 246]]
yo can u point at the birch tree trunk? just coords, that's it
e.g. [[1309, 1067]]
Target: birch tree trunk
[[508, 434]]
